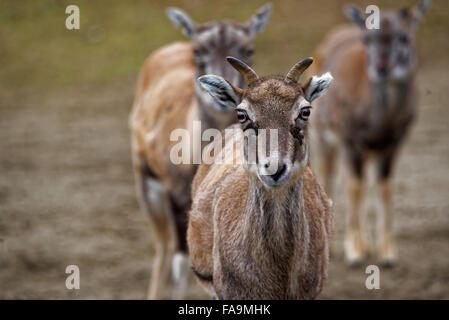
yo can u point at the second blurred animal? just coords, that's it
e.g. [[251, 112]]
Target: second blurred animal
[[367, 112], [168, 98]]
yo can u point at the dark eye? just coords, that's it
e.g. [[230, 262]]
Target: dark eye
[[304, 113], [198, 52], [403, 39], [249, 52], [242, 116]]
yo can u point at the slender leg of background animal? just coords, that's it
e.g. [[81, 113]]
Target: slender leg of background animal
[[327, 168], [356, 244], [180, 274], [159, 271], [385, 247], [153, 202], [326, 156], [180, 263]]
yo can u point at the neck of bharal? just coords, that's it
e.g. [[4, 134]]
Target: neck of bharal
[[389, 95], [274, 224]]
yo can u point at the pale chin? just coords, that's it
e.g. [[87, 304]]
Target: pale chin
[[293, 172], [374, 76], [399, 74], [268, 183]]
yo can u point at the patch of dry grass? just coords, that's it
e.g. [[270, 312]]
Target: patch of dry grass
[[116, 36]]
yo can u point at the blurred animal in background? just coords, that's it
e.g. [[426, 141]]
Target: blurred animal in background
[[168, 98], [367, 113], [256, 234]]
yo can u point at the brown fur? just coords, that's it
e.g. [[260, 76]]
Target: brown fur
[[163, 103], [167, 99], [249, 241], [174, 107], [365, 116]]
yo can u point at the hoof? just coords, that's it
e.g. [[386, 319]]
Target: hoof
[[387, 253], [387, 258], [356, 252], [354, 259]]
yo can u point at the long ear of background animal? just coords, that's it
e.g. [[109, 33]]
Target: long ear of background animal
[[221, 90], [419, 12], [259, 20], [354, 14], [316, 86], [182, 19]]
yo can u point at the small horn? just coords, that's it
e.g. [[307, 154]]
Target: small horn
[[297, 70], [248, 74]]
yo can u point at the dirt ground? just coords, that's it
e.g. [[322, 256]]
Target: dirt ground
[[67, 197]]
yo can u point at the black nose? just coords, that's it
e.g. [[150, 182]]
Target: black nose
[[278, 173]]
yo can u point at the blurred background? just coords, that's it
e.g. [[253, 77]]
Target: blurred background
[[66, 182]]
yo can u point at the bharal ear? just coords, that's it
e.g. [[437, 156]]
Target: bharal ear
[[182, 19], [316, 86], [259, 20], [419, 12], [221, 90], [354, 14]]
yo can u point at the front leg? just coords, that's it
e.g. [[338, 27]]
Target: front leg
[[327, 150], [153, 202], [385, 244], [356, 244]]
